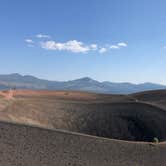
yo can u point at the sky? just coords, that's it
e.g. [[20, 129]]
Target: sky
[[113, 40]]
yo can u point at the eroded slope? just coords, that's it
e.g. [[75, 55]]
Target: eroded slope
[[111, 116], [30, 146]]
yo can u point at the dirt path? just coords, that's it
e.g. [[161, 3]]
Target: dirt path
[[7, 94]]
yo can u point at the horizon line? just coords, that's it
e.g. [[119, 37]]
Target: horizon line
[[120, 82]]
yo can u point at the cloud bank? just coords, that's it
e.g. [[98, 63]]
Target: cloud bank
[[42, 36], [73, 46], [102, 50]]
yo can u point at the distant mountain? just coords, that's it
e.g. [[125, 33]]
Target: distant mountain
[[83, 84], [127, 88]]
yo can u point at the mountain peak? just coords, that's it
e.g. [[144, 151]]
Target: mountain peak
[[15, 75], [85, 79]]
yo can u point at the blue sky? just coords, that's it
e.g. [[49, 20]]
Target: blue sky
[[114, 40]]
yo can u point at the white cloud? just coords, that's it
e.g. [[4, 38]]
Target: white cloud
[[114, 47], [29, 41], [78, 47], [42, 36], [118, 45], [122, 44], [71, 45], [94, 46], [103, 50], [74, 46]]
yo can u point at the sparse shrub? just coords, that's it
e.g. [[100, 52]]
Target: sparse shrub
[[156, 140]]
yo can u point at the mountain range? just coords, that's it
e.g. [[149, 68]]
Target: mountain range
[[83, 84]]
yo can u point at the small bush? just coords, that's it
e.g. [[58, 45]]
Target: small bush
[[156, 140]]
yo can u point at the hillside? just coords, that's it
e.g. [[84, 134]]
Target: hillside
[[157, 97], [83, 84], [59, 128], [22, 145], [111, 116]]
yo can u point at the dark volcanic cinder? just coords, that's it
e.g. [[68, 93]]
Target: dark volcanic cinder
[[113, 118], [121, 117], [31, 146]]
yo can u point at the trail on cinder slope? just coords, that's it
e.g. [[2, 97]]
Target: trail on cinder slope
[[153, 96], [157, 97], [111, 116]]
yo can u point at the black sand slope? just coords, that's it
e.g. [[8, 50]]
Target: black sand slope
[[155, 97], [111, 116], [56, 115], [151, 96], [22, 145]]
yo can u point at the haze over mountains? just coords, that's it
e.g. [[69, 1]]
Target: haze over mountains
[[83, 84]]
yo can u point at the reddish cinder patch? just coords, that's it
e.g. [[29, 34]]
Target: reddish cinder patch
[[7, 94]]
